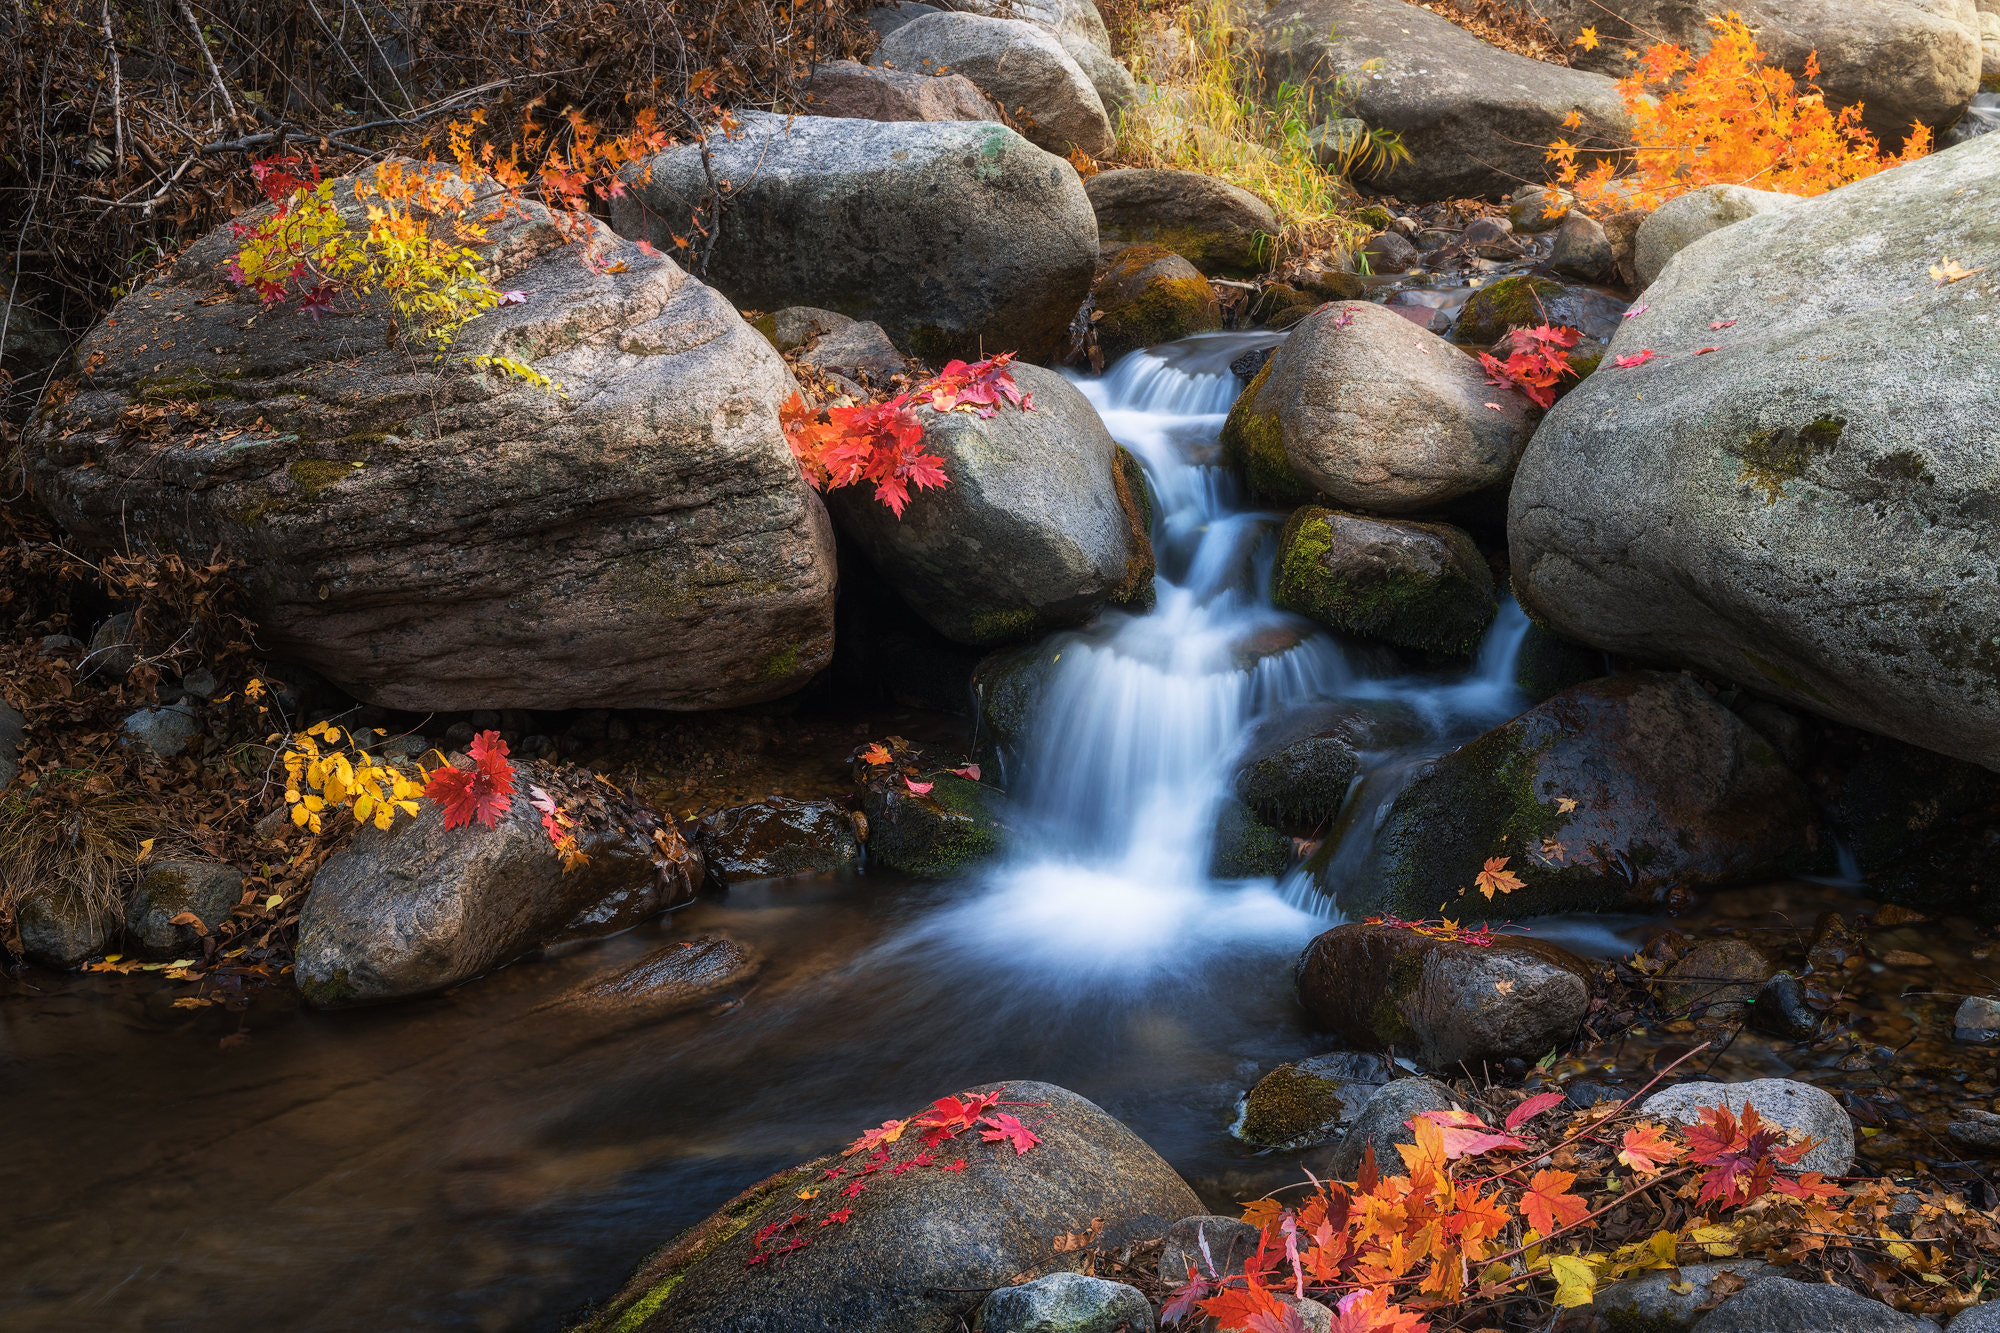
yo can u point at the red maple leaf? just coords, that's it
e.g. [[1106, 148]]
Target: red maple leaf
[[854, 1189], [1647, 1149], [951, 1116], [1742, 1155], [1533, 1107], [1370, 1312], [482, 792], [1008, 1129], [839, 1217], [1638, 358]]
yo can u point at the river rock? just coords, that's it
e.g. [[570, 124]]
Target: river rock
[[1716, 979], [797, 325], [1782, 1305], [208, 889], [1524, 302], [1976, 1130], [777, 836], [858, 350], [1391, 252], [1582, 250], [166, 731], [1218, 227], [1300, 785], [58, 927], [915, 1242], [1384, 1124], [958, 822], [885, 19], [948, 235], [1751, 512], [1669, 1300], [667, 981], [1685, 219], [1066, 1303], [1900, 60], [1151, 295], [1037, 528], [1783, 1009], [1077, 19], [1245, 847], [13, 730], [1416, 585], [1362, 405], [1209, 1245], [1477, 120], [1534, 209], [1799, 1109], [1977, 1020], [1298, 1105], [1982, 1318], [1444, 1003], [851, 90], [1021, 66], [1604, 796], [401, 518], [417, 908]]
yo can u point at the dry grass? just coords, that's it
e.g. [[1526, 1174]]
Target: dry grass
[[75, 837]]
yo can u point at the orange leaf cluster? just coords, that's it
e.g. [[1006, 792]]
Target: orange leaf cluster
[[1726, 118]]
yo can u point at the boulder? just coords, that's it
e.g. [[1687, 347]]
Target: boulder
[[1685, 219], [1037, 528], [1547, 663], [1782, 1305], [1151, 295], [435, 535], [850, 90], [950, 236], [667, 981], [1363, 406], [1799, 1109], [1477, 120], [1114, 85], [416, 908], [857, 350], [58, 927], [1523, 302], [207, 889], [1538, 208], [1622, 230], [1669, 1300], [13, 729], [1384, 1123], [1600, 798], [1900, 60], [1299, 785], [1389, 252], [913, 1241], [797, 325], [1752, 512], [1298, 1105], [885, 19], [1444, 1003], [1582, 250], [1416, 585], [1245, 847], [1717, 979], [1021, 66], [1218, 227], [957, 823], [777, 836], [1066, 1303], [1071, 19], [1211, 1245]]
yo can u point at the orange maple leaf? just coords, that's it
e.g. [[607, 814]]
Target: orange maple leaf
[[1647, 1149], [1549, 1205], [876, 754], [1497, 878]]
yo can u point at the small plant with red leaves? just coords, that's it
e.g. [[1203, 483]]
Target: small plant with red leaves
[[482, 792], [1537, 361]]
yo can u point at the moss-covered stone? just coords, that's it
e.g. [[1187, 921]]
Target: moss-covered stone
[[1246, 847], [1291, 1108], [1519, 302], [957, 823], [1780, 454], [1301, 786], [1416, 585], [1375, 217], [1151, 295], [1253, 442]]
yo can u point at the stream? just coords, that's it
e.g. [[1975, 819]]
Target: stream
[[476, 1161]]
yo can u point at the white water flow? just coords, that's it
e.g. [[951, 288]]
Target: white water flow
[[1129, 760]]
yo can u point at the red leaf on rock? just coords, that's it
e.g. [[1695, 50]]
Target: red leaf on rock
[[970, 771], [1638, 358], [482, 792], [839, 1217], [1008, 1129], [919, 788]]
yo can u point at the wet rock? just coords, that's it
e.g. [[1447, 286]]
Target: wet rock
[[668, 981], [1390, 253], [1538, 208], [859, 350], [1524, 302], [1801, 1110], [1744, 513], [13, 729], [1021, 66], [1384, 1124], [1781, 1009], [1716, 979], [58, 928], [948, 235], [1364, 406], [1605, 795], [774, 837], [1245, 846], [400, 517], [1151, 295], [1670, 1300], [1211, 1246], [1475, 118], [1009, 686], [1300, 785], [1066, 1303], [1218, 227], [1781, 1305], [1976, 1130], [1298, 1105], [165, 731], [1416, 585], [957, 823], [1037, 529], [1685, 219], [850, 90], [1889, 802], [414, 908], [912, 1238], [1548, 663], [1582, 250], [1491, 238], [208, 889], [1444, 1003], [1977, 1020]]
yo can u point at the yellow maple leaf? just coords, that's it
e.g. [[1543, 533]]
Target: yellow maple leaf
[[1572, 120], [1564, 805], [1576, 1280], [1496, 877], [1587, 40], [1950, 270]]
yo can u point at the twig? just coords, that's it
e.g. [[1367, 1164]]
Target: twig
[[117, 89], [263, 137], [228, 103]]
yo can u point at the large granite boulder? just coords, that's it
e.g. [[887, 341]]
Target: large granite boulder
[[1072, 19], [1602, 797], [1901, 60], [1037, 528], [1810, 510], [1218, 227], [917, 1245], [418, 907], [1685, 219], [1361, 405], [953, 236], [1477, 120], [1417, 585], [1021, 66], [432, 534], [851, 90]]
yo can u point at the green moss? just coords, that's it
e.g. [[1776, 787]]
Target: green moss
[[1904, 465], [1519, 302], [166, 889], [956, 823], [1443, 613], [1164, 309], [1289, 1108], [335, 990], [1253, 442], [1128, 479], [998, 625], [185, 386], [310, 476], [1375, 217], [1773, 457], [1246, 847], [783, 663]]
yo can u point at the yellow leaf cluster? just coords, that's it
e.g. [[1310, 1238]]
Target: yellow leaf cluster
[[327, 770]]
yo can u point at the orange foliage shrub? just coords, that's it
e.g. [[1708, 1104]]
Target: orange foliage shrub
[[1726, 118]]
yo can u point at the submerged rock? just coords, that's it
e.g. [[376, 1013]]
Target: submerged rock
[[1801, 1110], [913, 1242], [1218, 227], [1977, 1020], [1021, 66], [957, 823], [1298, 1105], [1151, 295], [1685, 219], [1066, 1303], [207, 889], [667, 981], [1717, 979], [954, 236], [774, 837], [1416, 585], [1444, 1003], [1603, 796]]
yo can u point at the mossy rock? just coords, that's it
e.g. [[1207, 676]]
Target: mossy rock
[[1519, 302], [1008, 687], [1416, 585], [1375, 217], [1300, 786], [1298, 1105], [1246, 847], [58, 926], [1253, 443], [957, 823], [208, 889], [1151, 295]]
